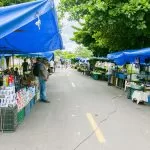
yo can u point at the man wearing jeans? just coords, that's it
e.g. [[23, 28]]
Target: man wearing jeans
[[43, 77]]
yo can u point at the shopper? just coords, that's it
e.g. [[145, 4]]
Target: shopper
[[52, 65], [43, 77], [109, 73], [25, 66], [55, 65], [62, 63]]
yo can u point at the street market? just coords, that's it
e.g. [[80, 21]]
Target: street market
[[74, 75]]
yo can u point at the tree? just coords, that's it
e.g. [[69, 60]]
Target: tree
[[83, 52], [64, 54], [110, 25], [79, 52], [10, 2]]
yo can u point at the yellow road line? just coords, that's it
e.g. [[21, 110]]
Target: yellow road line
[[94, 125]]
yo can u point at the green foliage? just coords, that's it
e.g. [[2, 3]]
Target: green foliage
[[83, 52], [110, 25], [64, 54], [79, 52], [10, 2]]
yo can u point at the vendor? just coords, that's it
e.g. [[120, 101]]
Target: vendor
[[25, 66], [16, 73], [124, 69], [12, 71]]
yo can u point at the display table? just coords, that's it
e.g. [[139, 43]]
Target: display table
[[15, 106], [140, 96], [131, 89], [98, 75]]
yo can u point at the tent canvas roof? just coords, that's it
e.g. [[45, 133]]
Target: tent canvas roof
[[29, 28]]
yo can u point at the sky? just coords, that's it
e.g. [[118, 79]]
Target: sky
[[67, 32]]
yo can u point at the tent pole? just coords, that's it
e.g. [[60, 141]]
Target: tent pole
[[13, 60]]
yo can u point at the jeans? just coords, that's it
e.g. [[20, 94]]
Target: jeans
[[42, 89], [109, 78]]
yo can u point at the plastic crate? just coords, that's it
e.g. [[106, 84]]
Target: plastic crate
[[20, 116], [27, 110], [32, 102], [8, 118], [95, 76]]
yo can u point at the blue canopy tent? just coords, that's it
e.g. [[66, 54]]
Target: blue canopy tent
[[29, 28], [48, 55], [78, 58], [131, 56], [112, 56]]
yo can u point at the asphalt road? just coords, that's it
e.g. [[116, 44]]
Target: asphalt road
[[84, 114]]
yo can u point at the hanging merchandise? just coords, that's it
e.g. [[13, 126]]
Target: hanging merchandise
[[11, 62], [5, 80], [3, 63], [11, 80]]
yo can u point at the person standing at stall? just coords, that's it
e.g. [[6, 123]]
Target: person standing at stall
[[25, 66], [109, 73], [52, 65], [43, 77]]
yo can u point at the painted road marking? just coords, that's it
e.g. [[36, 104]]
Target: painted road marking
[[94, 125], [73, 85]]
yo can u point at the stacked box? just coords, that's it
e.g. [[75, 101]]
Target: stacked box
[[8, 118]]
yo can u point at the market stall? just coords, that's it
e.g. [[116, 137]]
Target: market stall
[[22, 35], [18, 94], [83, 66], [99, 68], [135, 66]]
